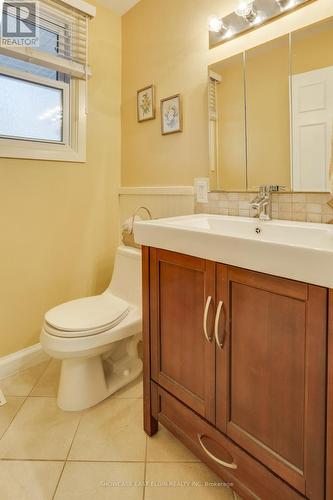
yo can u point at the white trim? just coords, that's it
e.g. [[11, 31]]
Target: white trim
[[82, 6], [20, 360], [31, 77], [157, 190], [47, 60], [75, 150], [46, 82]]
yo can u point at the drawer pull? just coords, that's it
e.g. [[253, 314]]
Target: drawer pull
[[217, 460], [216, 326], [209, 299]]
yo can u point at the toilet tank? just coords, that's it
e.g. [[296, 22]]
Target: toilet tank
[[126, 279]]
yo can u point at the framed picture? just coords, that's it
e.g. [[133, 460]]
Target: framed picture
[[146, 104], [171, 115]]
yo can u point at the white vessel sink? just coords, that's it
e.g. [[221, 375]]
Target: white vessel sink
[[296, 250]]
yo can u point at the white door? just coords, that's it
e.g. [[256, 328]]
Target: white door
[[312, 116]]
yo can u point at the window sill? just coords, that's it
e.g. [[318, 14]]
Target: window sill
[[40, 151]]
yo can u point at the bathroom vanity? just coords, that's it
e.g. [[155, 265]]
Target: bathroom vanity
[[238, 351]]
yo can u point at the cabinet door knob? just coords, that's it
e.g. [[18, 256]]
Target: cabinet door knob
[[216, 326], [208, 302], [228, 465]]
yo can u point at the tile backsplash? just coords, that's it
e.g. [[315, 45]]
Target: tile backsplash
[[302, 207]]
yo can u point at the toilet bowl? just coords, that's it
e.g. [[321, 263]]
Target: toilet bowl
[[96, 338]]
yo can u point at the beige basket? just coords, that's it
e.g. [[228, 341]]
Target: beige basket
[[128, 239]]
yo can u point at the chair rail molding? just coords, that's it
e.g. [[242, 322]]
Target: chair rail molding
[[157, 190]]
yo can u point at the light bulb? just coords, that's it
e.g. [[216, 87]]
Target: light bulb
[[216, 24], [246, 10]]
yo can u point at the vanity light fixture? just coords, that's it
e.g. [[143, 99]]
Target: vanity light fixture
[[249, 15], [229, 33], [287, 4], [247, 11], [216, 24], [261, 18]]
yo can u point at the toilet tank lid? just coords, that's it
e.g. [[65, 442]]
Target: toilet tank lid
[[87, 313]]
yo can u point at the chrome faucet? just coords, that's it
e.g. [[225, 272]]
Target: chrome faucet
[[263, 201]]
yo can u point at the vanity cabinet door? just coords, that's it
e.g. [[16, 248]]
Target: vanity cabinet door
[[270, 387], [182, 307]]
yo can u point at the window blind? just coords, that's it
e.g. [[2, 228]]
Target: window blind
[[55, 20], [213, 81], [212, 100]]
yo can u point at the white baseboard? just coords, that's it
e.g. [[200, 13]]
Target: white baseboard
[[20, 360]]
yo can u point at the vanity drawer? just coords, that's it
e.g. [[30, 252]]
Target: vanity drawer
[[249, 477]]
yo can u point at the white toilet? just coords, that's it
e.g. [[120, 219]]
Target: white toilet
[[97, 337]]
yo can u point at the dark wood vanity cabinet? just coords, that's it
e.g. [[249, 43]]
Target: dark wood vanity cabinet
[[271, 374], [183, 361], [236, 368]]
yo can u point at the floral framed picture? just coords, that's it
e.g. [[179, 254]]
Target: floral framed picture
[[146, 104], [171, 115]]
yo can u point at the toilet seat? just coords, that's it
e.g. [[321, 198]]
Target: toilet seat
[[86, 317]]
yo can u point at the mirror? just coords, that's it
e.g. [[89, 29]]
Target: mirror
[[271, 114]]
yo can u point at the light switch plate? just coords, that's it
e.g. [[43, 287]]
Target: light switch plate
[[201, 185], [3, 400]]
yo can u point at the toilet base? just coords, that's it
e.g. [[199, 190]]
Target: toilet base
[[84, 382]]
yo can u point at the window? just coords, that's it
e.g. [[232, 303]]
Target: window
[[43, 80], [32, 110]]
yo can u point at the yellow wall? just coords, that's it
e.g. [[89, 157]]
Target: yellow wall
[[163, 43], [166, 42], [59, 221]]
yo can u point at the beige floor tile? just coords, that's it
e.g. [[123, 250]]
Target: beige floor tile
[[8, 412], [164, 447], [99, 481], [28, 480], [23, 382], [132, 390], [112, 431], [48, 383], [171, 475], [40, 431]]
